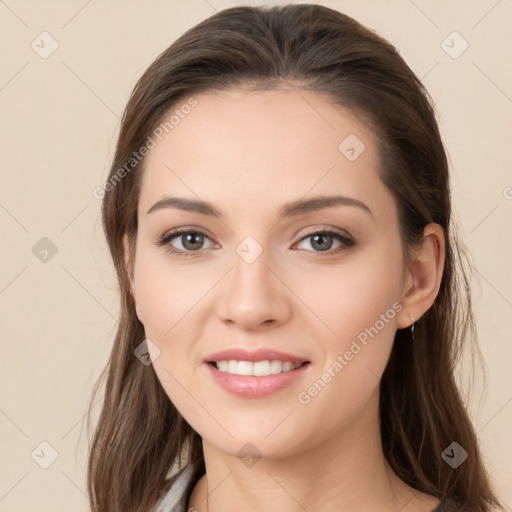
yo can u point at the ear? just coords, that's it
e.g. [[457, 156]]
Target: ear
[[423, 279]]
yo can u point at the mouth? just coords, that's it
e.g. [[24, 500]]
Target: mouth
[[255, 374], [256, 368], [258, 373], [255, 380]]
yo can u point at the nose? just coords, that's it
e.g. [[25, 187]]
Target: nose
[[254, 296]]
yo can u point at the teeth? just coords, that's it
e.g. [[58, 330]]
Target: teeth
[[245, 368], [276, 367], [261, 368], [257, 369]]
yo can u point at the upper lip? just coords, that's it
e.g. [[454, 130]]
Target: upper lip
[[262, 354]]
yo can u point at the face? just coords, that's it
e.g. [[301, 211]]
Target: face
[[318, 287]]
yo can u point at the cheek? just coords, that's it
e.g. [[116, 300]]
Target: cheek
[[167, 299], [358, 295], [359, 303], [167, 294]]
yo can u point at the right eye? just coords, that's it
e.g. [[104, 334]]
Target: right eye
[[190, 241]]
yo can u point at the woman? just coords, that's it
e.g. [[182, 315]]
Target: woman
[[293, 298]]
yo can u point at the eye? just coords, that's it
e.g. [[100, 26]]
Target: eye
[[323, 240], [191, 241]]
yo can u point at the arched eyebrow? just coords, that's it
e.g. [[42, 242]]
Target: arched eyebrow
[[291, 209]]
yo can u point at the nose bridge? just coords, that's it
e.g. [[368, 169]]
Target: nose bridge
[[254, 295]]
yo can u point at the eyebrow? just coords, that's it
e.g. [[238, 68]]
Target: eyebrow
[[292, 209]]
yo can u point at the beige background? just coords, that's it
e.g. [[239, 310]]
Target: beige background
[[60, 117]]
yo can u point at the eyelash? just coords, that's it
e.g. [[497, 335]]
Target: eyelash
[[168, 237]]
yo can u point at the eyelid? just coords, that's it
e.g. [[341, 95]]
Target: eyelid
[[322, 229], [181, 230]]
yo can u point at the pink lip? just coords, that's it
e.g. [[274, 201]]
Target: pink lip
[[249, 386], [261, 354]]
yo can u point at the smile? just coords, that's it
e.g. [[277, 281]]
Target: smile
[[256, 379], [256, 369]]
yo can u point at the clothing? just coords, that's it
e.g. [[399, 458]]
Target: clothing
[[178, 496]]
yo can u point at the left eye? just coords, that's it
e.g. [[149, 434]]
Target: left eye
[[192, 241], [318, 240]]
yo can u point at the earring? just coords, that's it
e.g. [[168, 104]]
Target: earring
[[412, 327]]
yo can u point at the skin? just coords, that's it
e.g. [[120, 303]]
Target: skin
[[248, 152]]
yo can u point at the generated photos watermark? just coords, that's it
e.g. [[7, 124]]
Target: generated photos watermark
[[342, 360], [137, 156]]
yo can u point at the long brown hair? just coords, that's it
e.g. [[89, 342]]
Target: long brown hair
[[140, 434]]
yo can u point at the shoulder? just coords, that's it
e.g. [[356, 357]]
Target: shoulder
[[181, 485]]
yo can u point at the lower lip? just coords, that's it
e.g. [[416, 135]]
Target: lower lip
[[249, 386]]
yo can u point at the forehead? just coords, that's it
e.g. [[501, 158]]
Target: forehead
[[261, 147]]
